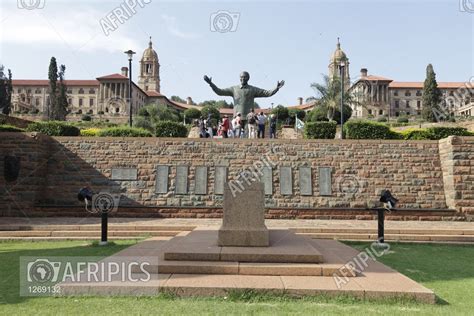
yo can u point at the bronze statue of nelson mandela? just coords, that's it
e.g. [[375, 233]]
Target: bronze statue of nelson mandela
[[244, 94]]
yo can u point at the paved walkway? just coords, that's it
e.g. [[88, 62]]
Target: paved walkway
[[272, 223]]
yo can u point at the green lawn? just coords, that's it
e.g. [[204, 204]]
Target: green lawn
[[446, 269]]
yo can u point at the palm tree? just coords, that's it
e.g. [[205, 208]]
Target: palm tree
[[328, 96]]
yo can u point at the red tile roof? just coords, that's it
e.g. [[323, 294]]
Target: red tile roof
[[152, 93], [28, 82], [375, 78], [113, 76], [419, 85]]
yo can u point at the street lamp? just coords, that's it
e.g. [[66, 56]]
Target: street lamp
[[130, 54], [342, 65]]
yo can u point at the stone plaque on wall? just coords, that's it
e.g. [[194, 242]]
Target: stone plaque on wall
[[200, 178], [325, 181], [286, 181], [220, 178], [125, 174], [162, 174], [267, 180], [306, 184], [181, 180]]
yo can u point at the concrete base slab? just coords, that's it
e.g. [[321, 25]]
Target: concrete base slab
[[285, 247], [375, 281], [243, 238]]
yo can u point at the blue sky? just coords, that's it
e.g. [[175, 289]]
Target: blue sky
[[287, 40]]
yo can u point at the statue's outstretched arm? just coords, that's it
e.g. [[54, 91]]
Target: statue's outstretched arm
[[223, 92], [262, 93]]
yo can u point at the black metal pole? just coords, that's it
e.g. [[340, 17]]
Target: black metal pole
[[342, 102], [381, 228], [130, 88], [105, 217]]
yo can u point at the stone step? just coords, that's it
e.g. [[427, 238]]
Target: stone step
[[285, 247], [387, 231], [391, 237], [95, 227], [64, 233], [249, 268], [72, 238]]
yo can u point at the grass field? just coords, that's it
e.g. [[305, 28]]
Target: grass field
[[446, 269]]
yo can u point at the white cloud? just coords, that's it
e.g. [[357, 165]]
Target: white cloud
[[172, 26], [77, 29]]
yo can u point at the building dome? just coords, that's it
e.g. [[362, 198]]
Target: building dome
[[150, 53], [338, 53]]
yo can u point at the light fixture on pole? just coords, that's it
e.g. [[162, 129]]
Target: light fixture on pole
[[342, 65], [130, 54]]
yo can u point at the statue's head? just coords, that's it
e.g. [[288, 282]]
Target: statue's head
[[244, 77]]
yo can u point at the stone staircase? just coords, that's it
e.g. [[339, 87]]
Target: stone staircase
[[399, 235], [130, 231], [88, 232]]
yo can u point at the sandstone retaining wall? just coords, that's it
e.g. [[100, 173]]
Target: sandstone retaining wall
[[417, 172]]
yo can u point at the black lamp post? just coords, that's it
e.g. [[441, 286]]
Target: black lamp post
[[130, 54], [342, 65]]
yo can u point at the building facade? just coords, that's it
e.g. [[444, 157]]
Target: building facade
[[106, 97]]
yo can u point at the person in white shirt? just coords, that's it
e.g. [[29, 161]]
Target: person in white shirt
[[252, 122], [261, 120], [237, 124]]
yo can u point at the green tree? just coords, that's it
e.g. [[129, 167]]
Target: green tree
[[217, 104], [281, 113], [192, 114], [53, 89], [431, 97], [62, 103], [176, 98], [150, 115], [211, 112], [160, 112], [328, 95], [6, 90], [293, 113], [319, 113]]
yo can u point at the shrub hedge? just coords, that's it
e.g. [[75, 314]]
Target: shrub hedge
[[320, 130], [86, 118], [415, 134], [443, 132], [10, 128], [54, 128], [369, 130], [90, 131], [402, 119], [435, 133], [124, 131], [170, 129]]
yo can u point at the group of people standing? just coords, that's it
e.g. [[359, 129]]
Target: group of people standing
[[252, 126]]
